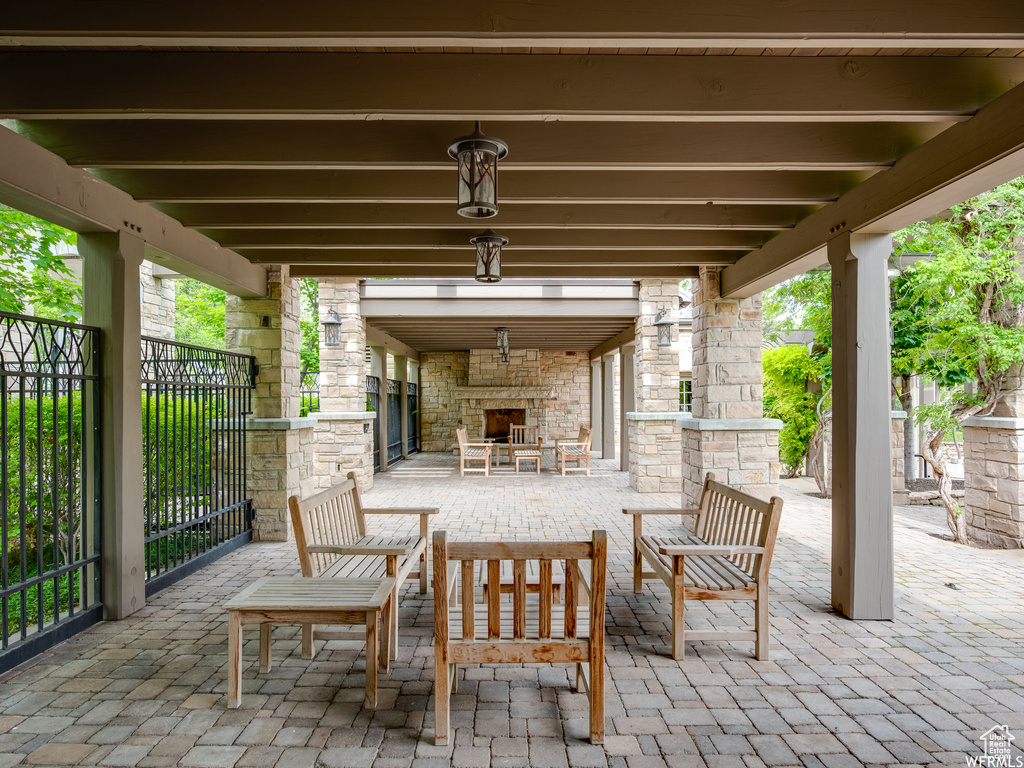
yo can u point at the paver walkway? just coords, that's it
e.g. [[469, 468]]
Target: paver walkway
[[149, 691]]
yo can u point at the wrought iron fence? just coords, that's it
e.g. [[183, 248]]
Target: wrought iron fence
[[394, 421], [49, 483], [412, 410], [373, 404], [309, 392], [194, 404]]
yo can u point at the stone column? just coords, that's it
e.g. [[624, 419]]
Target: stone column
[[654, 440], [900, 494], [627, 400], [157, 305], [994, 473], [862, 546], [726, 432], [111, 302], [279, 442], [607, 407], [344, 429]]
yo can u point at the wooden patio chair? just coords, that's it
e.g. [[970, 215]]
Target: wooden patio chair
[[525, 631], [522, 438], [472, 452], [575, 451]]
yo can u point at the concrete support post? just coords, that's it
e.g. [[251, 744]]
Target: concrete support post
[[608, 407], [862, 546], [596, 398], [402, 377], [379, 368], [280, 444], [627, 400], [654, 440], [344, 429], [111, 302]]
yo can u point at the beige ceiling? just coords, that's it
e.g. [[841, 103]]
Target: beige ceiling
[[645, 139]]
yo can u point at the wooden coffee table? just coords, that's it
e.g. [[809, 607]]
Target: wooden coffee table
[[298, 600]]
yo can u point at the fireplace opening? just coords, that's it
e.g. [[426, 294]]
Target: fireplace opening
[[498, 420]]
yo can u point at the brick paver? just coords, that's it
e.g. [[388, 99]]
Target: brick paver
[[149, 691]]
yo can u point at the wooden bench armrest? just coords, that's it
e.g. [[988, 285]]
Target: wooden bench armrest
[[363, 549], [638, 512], [402, 511], [709, 550], [559, 444]]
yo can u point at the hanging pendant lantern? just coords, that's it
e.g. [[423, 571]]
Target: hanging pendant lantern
[[488, 255], [332, 329], [664, 321], [478, 157]]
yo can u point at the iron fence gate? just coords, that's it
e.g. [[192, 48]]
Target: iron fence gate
[[309, 392], [394, 421], [194, 403], [373, 404], [412, 412], [49, 483]]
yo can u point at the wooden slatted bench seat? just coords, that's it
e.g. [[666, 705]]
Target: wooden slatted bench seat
[[727, 556], [332, 540]]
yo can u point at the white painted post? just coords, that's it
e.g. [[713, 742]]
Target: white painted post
[[862, 543], [112, 302], [608, 407], [627, 400], [596, 396]]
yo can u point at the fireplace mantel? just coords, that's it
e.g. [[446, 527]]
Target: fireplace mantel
[[505, 393]]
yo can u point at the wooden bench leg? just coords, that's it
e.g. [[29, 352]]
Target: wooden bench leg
[[266, 633], [308, 641], [678, 610], [386, 651], [372, 652], [234, 660], [597, 692], [761, 623], [441, 697], [392, 570], [638, 559]]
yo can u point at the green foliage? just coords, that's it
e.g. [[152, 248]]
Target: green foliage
[[803, 303], [32, 274], [309, 353], [176, 444], [199, 314], [786, 373]]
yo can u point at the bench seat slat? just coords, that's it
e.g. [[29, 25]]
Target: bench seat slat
[[701, 572]]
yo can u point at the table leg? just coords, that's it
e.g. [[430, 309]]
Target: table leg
[[386, 650], [234, 660], [392, 572], [266, 630], [372, 652]]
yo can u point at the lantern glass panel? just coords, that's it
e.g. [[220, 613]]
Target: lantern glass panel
[[665, 335], [488, 261], [332, 334], [478, 183]]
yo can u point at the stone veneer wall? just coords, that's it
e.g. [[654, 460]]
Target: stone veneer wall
[[441, 373], [747, 460], [157, 304], [994, 480]]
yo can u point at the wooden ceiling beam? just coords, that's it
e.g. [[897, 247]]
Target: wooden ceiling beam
[[465, 257], [659, 24], [371, 240], [395, 86], [544, 187], [226, 144], [636, 271], [966, 160]]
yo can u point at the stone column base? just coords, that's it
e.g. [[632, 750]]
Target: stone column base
[[279, 465], [743, 453], [343, 444], [654, 448], [994, 480]]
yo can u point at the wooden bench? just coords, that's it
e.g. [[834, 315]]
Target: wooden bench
[[293, 600], [574, 450], [470, 452], [527, 630], [331, 536], [727, 557]]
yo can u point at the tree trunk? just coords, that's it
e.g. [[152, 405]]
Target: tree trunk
[[936, 457]]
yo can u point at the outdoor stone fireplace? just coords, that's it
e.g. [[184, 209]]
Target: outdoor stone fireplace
[[528, 404], [497, 421]]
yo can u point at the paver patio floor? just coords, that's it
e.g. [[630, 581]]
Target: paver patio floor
[[149, 691]]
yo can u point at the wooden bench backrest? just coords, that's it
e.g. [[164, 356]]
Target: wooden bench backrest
[[522, 435], [463, 556], [586, 435], [729, 516], [331, 517], [463, 438]]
